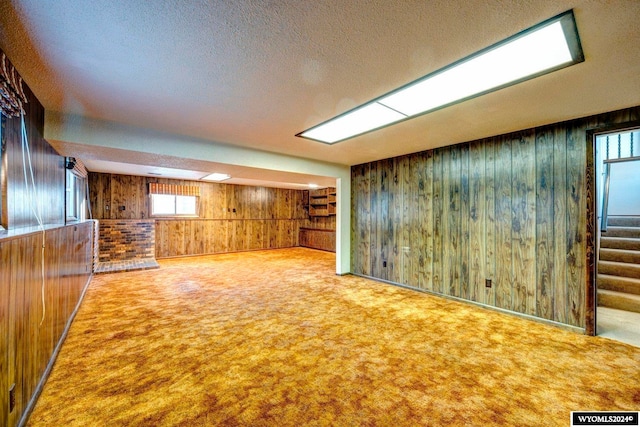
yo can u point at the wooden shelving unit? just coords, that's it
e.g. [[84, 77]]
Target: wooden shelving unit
[[322, 202]]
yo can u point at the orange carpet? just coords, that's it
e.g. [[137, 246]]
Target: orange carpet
[[275, 338]]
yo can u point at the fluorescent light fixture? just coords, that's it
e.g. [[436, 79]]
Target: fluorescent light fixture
[[363, 119], [216, 177], [546, 47]]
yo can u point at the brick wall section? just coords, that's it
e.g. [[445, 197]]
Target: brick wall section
[[122, 240], [96, 243]]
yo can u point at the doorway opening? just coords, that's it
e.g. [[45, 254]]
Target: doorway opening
[[618, 235]]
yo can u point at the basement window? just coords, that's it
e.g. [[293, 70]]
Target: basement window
[[173, 200], [173, 205]]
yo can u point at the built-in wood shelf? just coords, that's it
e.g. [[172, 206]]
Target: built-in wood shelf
[[322, 202]]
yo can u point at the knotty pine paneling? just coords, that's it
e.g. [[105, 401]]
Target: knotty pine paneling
[[31, 331], [511, 208]]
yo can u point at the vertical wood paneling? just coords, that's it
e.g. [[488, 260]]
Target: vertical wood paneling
[[545, 271], [361, 221], [255, 224], [48, 171], [438, 231], [5, 285], [16, 250], [383, 217], [425, 219], [576, 224], [454, 218], [504, 267], [29, 324], [560, 303], [449, 233], [523, 224], [477, 236], [28, 338], [512, 208], [394, 194], [374, 235], [408, 206], [412, 235], [465, 291], [490, 225]]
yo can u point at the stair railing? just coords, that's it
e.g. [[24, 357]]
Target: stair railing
[[607, 179], [605, 196]]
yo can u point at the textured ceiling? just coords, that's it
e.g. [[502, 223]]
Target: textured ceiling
[[253, 73]]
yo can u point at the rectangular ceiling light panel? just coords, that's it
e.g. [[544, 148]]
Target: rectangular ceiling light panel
[[355, 122], [216, 177], [549, 46]]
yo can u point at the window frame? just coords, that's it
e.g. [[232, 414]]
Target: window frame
[[76, 190], [174, 215], [3, 172]]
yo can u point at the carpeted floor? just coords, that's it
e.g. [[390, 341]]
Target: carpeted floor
[[275, 338]]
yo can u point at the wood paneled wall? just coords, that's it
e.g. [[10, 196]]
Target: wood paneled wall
[[28, 340], [318, 239], [231, 217], [48, 171], [210, 236], [512, 208], [217, 201]]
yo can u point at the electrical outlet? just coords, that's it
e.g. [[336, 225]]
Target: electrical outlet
[[487, 283], [12, 398]]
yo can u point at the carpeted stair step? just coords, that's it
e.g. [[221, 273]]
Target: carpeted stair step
[[623, 269], [633, 232], [619, 300], [619, 284], [624, 221], [620, 255], [620, 243]]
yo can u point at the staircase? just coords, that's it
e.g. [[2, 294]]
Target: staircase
[[619, 265]]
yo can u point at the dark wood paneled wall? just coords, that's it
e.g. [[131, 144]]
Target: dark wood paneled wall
[[48, 172], [28, 339], [231, 217], [27, 342], [512, 208]]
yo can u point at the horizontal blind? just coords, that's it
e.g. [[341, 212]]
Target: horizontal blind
[[12, 95], [176, 190], [79, 169]]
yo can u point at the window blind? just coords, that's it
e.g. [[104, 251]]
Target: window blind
[[176, 190], [12, 95]]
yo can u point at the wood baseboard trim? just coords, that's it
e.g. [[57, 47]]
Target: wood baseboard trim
[[566, 327]]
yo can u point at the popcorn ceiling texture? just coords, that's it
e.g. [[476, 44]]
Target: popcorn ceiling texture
[[275, 338], [253, 73]]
